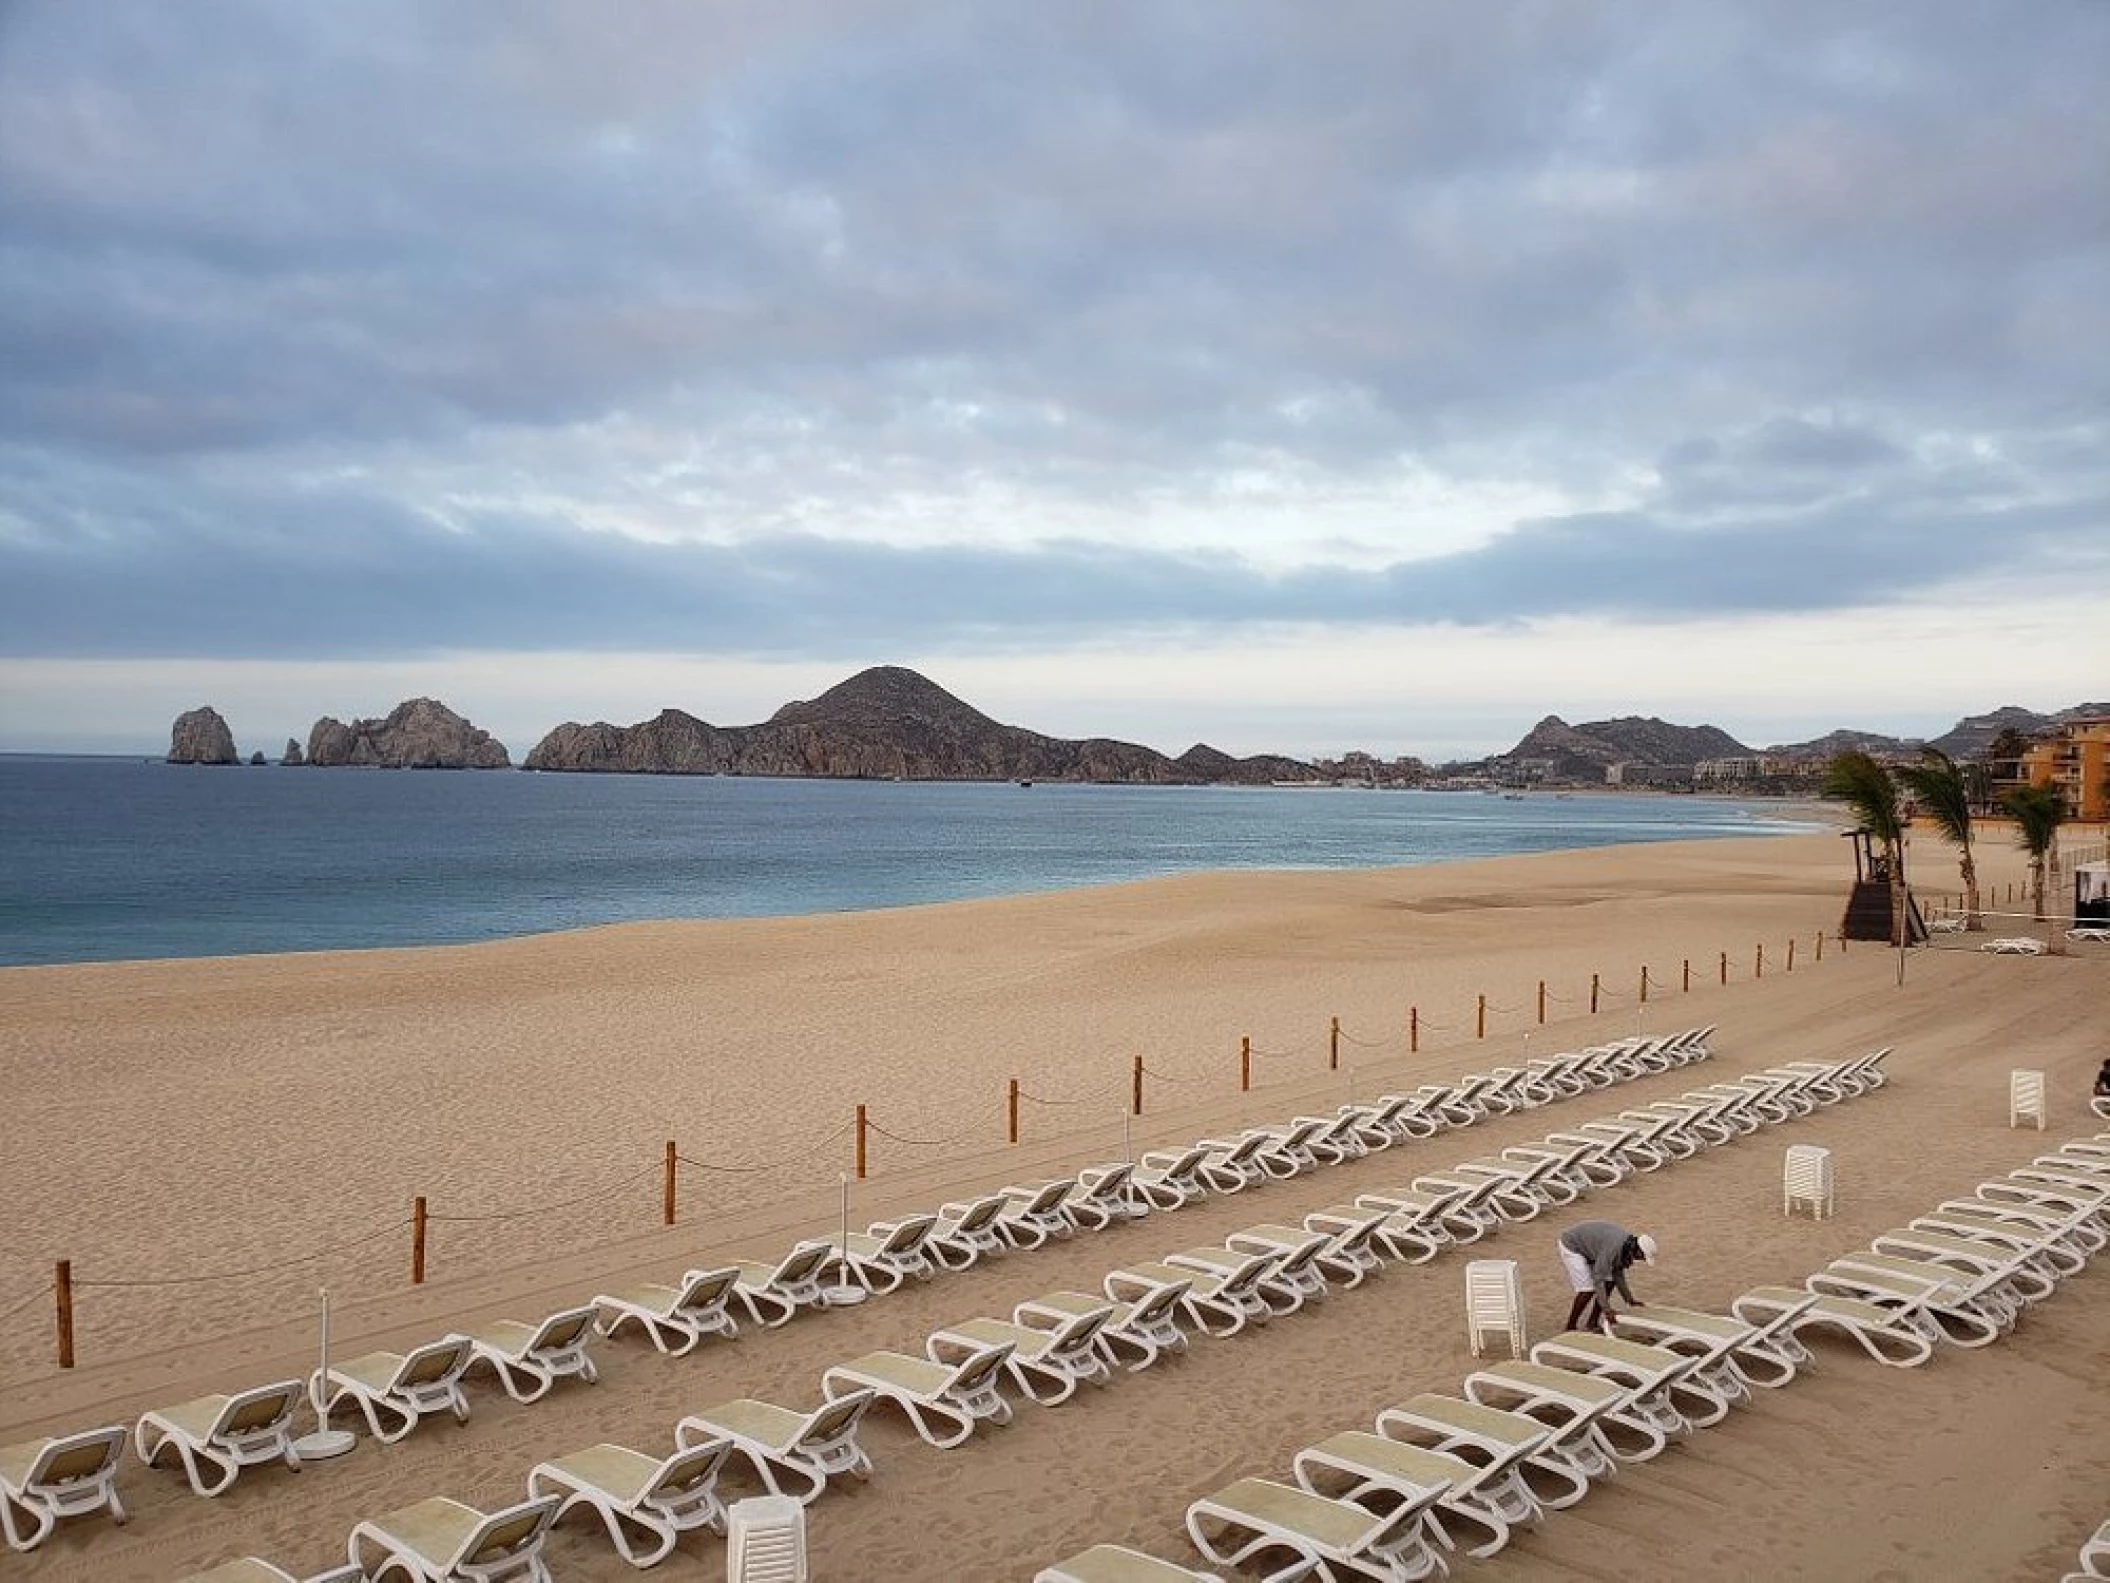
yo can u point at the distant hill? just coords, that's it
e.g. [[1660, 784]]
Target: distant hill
[[1967, 739], [1836, 742], [1583, 752], [886, 723]]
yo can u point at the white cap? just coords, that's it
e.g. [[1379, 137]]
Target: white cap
[[1648, 1247]]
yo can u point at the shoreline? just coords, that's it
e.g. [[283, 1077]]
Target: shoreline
[[245, 1111]]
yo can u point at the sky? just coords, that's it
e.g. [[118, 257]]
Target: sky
[[1287, 378]]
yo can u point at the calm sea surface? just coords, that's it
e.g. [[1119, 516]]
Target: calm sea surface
[[105, 859]]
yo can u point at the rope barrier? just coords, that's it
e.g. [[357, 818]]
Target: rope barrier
[[1090, 1099], [1166, 1077], [736, 1170], [915, 1143], [1368, 1044], [1270, 1054], [254, 1269], [546, 1209]]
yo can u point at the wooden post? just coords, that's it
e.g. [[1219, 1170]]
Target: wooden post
[[1593, 994], [1820, 945], [1413, 1030], [1725, 967], [62, 1289], [666, 1191], [1136, 1099], [417, 1240], [860, 1143], [1644, 983], [1688, 976], [1542, 1003], [1480, 1019], [1758, 969], [1791, 953], [1014, 1110], [1333, 1046], [1245, 1065]]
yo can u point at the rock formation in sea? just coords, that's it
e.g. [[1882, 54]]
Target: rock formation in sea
[[292, 755], [421, 733], [200, 736], [885, 723]]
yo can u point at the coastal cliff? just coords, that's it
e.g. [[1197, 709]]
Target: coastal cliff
[[201, 736], [886, 723], [421, 733]]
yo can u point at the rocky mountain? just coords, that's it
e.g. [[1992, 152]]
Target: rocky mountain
[[200, 736], [421, 733], [1582, 752], [1833, 743], [1973, 734], [885, 723]]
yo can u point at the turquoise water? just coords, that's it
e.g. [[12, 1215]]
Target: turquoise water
[[110, 859]]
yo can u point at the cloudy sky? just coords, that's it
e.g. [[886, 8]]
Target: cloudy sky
[[1281, 376]]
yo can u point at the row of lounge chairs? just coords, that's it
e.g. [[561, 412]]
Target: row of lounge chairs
[[1531, 1436], [1050, 1347], [213, 1438], [1598, 1426]]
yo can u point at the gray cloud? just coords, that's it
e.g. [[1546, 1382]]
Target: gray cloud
[[336, 334]]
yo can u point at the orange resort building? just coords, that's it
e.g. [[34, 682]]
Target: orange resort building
[[2077, 761]]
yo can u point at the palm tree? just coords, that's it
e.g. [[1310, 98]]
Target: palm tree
[[2038, 811], [1942, 789], [1872, 796]]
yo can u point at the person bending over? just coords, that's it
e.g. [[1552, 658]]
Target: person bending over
[[1596, 1255]]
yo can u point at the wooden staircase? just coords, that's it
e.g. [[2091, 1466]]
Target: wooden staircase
[[1868, 914]]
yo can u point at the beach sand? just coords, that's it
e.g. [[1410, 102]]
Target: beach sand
[[171, 1122]]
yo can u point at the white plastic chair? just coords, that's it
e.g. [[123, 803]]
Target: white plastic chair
[[765, 1540], [1494, 1301], [2025, 1097], [1807, 1180]]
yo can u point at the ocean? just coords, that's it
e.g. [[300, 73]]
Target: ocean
[[109, 859]]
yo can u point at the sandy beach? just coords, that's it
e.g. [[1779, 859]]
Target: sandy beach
[[209, 1142]]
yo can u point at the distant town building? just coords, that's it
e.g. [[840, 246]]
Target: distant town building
[[1646, 775]]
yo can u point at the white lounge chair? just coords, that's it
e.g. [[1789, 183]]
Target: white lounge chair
[[646, 1503], [1515, 1454], [1034, 1212], [1293, 1279], [215, 1437], [255, 1569], [1346, 1251], [676, 1318], [2014, 945], [1047, 1363], [1384, 1474], [58, 1476], [1668, 1392], [943, 1402], [1259, 1517], [772, 1293], [1734, 1354], [1111, 1563], [1105, 1194], [530, 1359], [394, 1391], [1402, 1236], [805, 1449], [1147, 1323], [1593, 1417], [969, 1230], [890, 1252], [1876, 1331], [1220, 1304], [438, 1540], [1170, 1179]]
